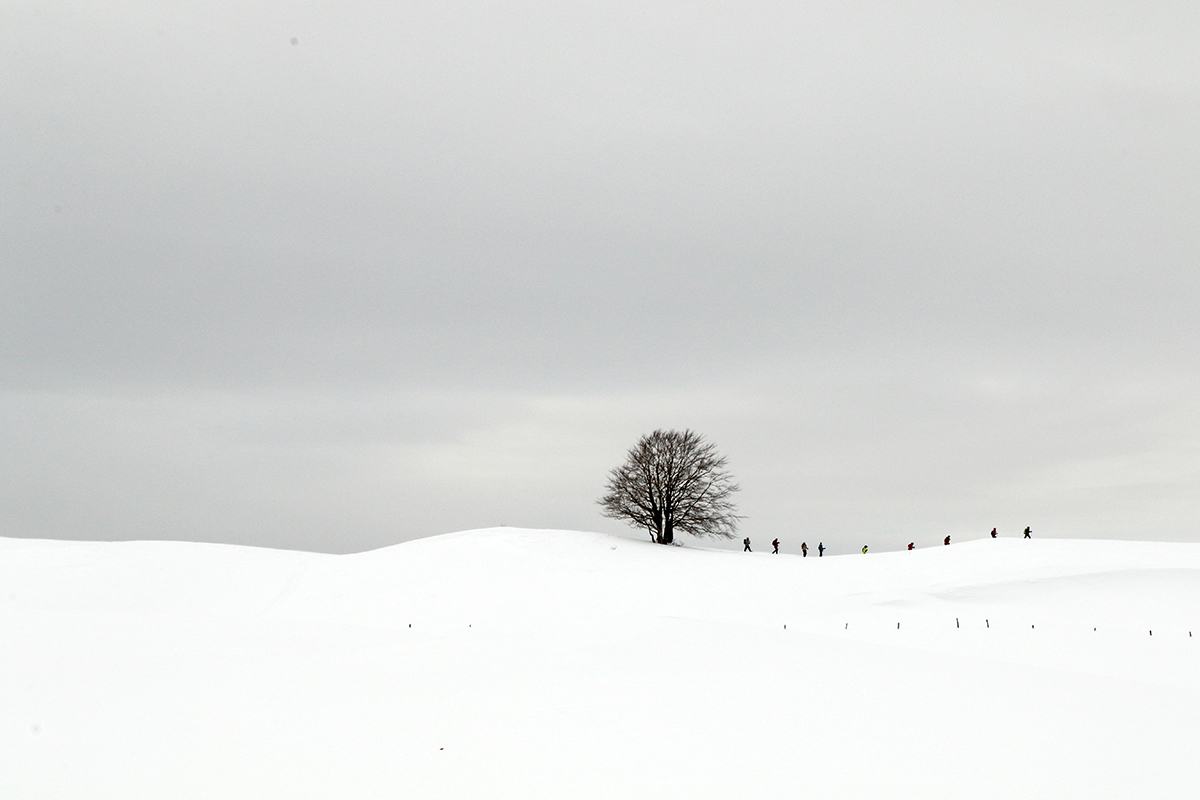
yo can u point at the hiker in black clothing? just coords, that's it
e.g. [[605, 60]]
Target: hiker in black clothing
[[804, 549], [993, 533], [746, 542], [775, 544], [820, 549], [1027, 532]]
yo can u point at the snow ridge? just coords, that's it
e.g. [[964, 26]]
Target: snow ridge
[[540, 663]]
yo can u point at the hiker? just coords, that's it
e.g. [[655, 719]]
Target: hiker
[[911, 545], [775, 544], [804, 549], [947, 540], [746, 542], [864, 549], [1027, 532], [993, 533], [820, 549]]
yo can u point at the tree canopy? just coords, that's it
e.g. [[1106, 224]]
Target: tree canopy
[[671, 481]]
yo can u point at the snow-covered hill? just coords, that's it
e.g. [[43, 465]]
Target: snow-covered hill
[[521, 663]]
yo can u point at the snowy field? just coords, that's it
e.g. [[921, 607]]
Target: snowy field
[[557, 664]]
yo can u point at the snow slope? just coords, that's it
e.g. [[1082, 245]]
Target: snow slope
[[562, 664]]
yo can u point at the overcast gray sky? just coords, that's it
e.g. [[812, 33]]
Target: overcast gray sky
[[334, 275]]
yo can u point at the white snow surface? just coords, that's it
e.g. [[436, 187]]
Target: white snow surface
[[561, 664]]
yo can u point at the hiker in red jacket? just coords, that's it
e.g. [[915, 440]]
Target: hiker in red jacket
[[947, 540], [910, 545], [775, 544], [804, 549], [993, 533]]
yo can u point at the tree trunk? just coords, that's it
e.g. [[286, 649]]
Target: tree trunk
[[658, 525], [668, 532]]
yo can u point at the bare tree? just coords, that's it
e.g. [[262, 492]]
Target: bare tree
[[673, 481]]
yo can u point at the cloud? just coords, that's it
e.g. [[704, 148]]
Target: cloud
[[393, 244]]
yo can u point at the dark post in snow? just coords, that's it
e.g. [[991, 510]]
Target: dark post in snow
[[671, 481]]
